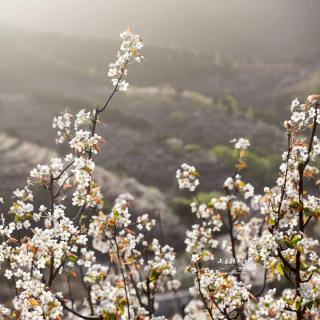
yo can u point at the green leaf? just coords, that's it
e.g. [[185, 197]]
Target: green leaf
[[271, 222], [297, 304], [296, 205], [72, 258], [307, 211], [280, 268], [317, 212], [154, 276], [116, 214], [288, 243], [296, 239]]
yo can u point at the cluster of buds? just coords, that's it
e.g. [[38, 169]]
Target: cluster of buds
[[129, 52], [187, 177]]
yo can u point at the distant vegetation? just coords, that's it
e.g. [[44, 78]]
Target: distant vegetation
[[260, 167], [176, 111]]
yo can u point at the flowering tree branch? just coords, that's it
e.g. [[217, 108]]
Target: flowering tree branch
[[278, 241]]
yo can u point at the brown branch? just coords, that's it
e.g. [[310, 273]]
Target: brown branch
[[285, 262], [70, 291], [136, 289], [88, 291], [122, 273], [301, 168], [283, 189], [201, 294], [52, 202], [77, 313], [232, 239], [63, 184], [260, 292]]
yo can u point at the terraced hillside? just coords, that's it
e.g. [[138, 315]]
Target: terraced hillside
[[16, 159]]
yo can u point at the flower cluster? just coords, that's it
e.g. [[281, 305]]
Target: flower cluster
[[269, 306], [226, 293], [150, 265], [128, 53], [62, 123], [187, 177], [29, 258], [267, 229], [223, 295], [85, 141], [241, 143]]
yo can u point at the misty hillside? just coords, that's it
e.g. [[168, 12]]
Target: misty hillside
[[183, 106], [270, 29]]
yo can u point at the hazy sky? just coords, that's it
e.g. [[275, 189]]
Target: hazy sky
[[203, 24]]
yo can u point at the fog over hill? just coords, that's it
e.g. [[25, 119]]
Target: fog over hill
[[182, 106], [265, 28], [185, 102]]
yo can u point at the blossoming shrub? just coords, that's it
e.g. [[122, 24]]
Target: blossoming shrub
[[270, 233], [50, 255], [70, 257]]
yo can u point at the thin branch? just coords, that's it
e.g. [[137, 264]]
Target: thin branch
[[301, 168], [260, 292], [232, 239], [88, 291], [201, 294], [62, 185], [285, 262], [77, 313], [122, 274]]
